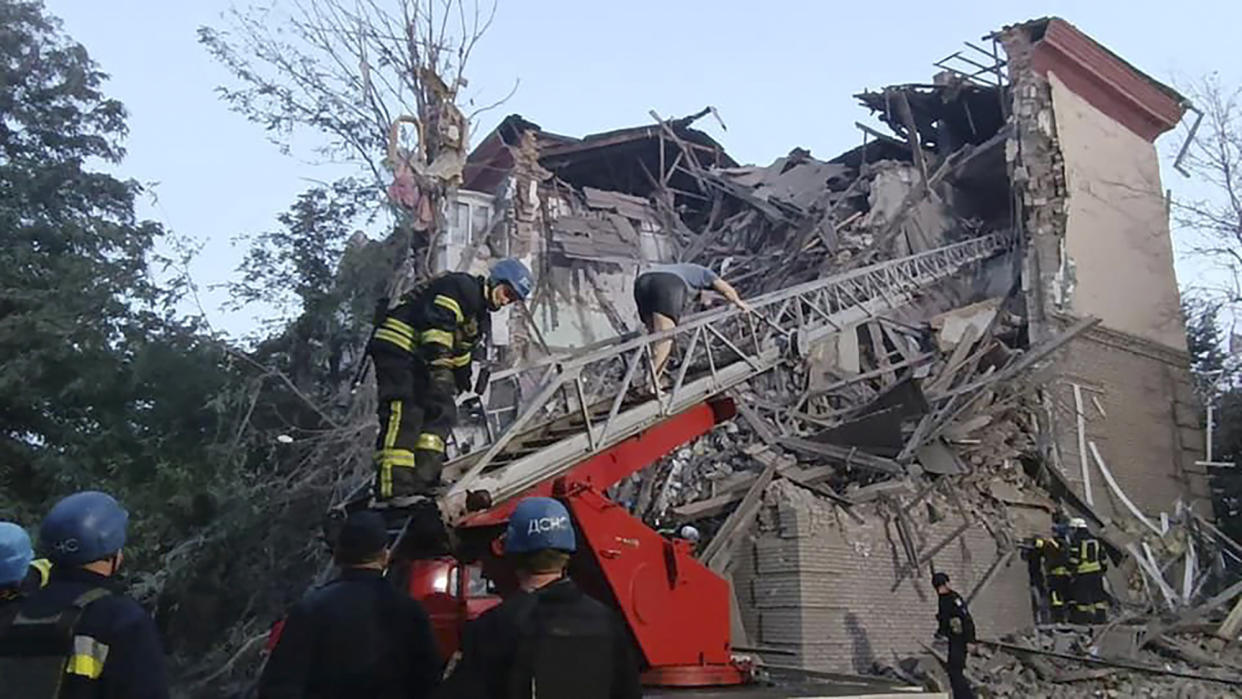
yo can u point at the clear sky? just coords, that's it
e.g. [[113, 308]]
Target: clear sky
[[781, 74]]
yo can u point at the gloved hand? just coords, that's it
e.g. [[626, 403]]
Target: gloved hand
[[485, 377], [461, 378]]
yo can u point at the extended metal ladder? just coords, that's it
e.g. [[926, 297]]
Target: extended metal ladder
[[583, 402]]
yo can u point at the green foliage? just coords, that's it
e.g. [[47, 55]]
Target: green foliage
[[1214, 378], [82, 330]]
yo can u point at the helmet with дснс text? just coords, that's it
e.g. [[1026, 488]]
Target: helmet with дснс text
[[540, 523]]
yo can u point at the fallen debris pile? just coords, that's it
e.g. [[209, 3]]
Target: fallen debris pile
[[1075, 663]]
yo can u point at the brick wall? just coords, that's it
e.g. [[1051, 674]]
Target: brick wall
[[826, 587], [1148, 432]]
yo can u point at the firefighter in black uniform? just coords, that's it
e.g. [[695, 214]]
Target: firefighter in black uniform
[[422, 349], [549, 639], [357, 636], [1054, 551], [957, 626], [80, 636], [1087, 566]]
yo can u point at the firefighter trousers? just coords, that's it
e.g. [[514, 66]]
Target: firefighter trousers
[[1090, 604], [1059, 600], [416, 414]]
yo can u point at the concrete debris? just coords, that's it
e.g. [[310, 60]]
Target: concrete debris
[[933, 436], [1073, 663]]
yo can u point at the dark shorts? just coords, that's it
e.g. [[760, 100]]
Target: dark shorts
[[660, 292]]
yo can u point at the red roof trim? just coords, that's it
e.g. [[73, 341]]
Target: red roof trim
[[1108, 83]]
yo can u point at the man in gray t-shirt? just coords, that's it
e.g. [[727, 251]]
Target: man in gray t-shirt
[[664, 292]]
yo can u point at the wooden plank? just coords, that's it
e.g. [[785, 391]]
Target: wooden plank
[[920, 359], [786, 468], [756, 422], [944, 379], [1190, 616], [1224, 538], [900, 342], [926, 556], [846, 455], [716, 554], [1232, 626], [881, 353], [1028, 358], [1092, 660]]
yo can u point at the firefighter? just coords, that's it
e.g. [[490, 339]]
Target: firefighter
[[957, 626], [664, 292], [81, 636], [423, 348], [548, 639], [1054, 551], [1087, 565], [21, 574], [356, 636]]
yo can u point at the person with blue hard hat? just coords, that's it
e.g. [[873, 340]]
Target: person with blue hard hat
[[21, 574], [423, 349], [81, 636], [549, 639]]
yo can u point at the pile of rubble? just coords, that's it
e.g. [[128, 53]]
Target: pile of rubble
[[1110, 663], [916, 428], [933, 405]]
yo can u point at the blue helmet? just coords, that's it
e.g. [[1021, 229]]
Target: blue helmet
[[15, 553], [537, 524], [515, 275], [84, 527]]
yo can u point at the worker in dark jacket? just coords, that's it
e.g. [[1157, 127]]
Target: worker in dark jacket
[[957, 626], [21, 574], [356, 636], [1087, 565], [423, 348], [81, 633], [664, 292], [1056, 564], [1054, 552], [548, 640]]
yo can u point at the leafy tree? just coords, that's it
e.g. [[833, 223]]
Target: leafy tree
[[80, 320], [1214, 375], [100, 385]]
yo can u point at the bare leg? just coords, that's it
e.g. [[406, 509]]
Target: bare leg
[[661, 350]]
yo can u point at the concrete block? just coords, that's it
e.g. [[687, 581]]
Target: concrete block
[[1120, 642]]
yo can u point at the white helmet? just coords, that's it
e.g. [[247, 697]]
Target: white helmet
[[1078, 523]]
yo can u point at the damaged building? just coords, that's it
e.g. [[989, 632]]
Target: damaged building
[[1050, 378]]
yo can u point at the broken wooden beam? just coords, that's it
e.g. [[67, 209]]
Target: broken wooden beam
[[1028, 358], [735, 489], [1158, 628], [1232, 626], [1222, 536], [1091, 660], [715, 556], [845, 455], [875, 373]]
